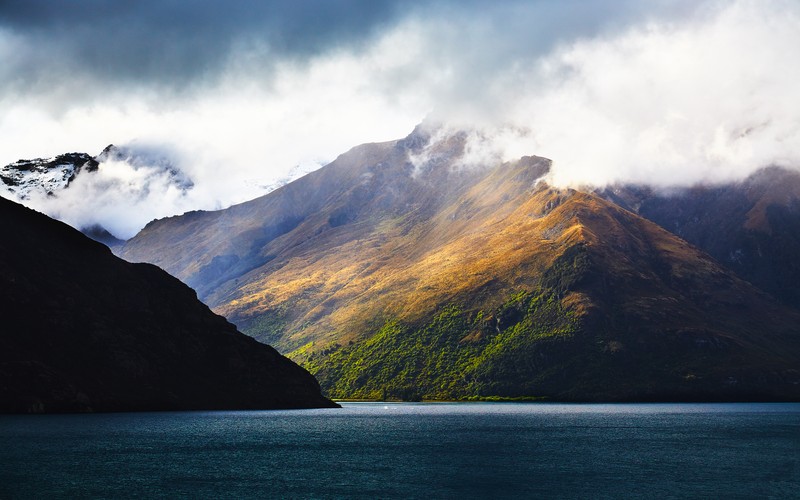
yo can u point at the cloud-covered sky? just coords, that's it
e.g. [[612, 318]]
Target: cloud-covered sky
[[241, 92]]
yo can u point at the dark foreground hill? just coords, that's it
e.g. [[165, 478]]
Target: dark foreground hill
[[85, 331], [399, 271]]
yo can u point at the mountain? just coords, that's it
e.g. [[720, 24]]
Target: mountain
[[78, 183], [109, 195], [752, 227], [401, 270], [100, 234], [43, 176], [86, 331]]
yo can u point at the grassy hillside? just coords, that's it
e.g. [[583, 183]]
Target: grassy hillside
[[455, 355]]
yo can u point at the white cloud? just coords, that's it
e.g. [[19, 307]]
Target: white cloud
[[231, 139], [706, 101], [679, 95]]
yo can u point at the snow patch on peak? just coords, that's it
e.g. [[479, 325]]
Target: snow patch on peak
[[119, 190], [38, 177]]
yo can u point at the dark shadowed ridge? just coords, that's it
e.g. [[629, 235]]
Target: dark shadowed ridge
[[85, 331], [752, 227]]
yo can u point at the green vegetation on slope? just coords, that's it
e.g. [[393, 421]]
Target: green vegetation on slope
[[455, 355]]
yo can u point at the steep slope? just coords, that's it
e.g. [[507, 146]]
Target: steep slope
[[217, 247], [608, 307], [346, 230], [86, 331], [398, 271], [752, 227]]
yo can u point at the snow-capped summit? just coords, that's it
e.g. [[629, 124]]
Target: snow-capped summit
[[117, 191], [43, 176]]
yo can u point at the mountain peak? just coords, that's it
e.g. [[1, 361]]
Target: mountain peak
[[43, 176], [110, 152], [397, 271]]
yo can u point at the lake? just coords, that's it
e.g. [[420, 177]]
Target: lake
[[391, 450]]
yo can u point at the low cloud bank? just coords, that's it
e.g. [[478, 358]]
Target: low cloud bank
[[671, 94], [709, 99]]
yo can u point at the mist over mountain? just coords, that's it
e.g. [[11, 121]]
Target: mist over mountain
[[40, 177], [112, 195], [671, 93], [408, 269], [116, 191]]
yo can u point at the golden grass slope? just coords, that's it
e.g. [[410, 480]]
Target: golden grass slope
[[491, 263]]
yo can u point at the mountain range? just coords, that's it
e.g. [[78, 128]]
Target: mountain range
[[400, 271], [86, 331], [82, 189], [752, 227]]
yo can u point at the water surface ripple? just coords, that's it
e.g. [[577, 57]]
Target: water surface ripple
[[390, 450]]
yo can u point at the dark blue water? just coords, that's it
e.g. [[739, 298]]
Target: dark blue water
[[410, 451]]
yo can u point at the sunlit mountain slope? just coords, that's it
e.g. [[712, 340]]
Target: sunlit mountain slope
[[401, 270]]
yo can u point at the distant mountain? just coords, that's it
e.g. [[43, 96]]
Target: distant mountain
[[37, 183], [43, 176], [752, 227], [399, 271], [86, 331]]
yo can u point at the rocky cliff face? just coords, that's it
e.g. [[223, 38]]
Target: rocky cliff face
[[85, 331]]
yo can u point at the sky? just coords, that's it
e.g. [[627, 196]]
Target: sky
[[240, 94]]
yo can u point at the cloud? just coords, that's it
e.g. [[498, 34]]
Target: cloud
[[237, 94], [123, 198], [232, 138], [709, 100], [701, 96], [125, 191], [174, 43]]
